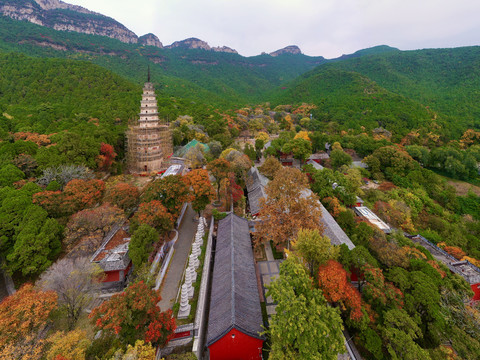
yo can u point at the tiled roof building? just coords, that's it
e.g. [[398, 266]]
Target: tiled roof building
[[235, 318]]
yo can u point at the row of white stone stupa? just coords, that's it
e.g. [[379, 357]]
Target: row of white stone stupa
[[191, 272]]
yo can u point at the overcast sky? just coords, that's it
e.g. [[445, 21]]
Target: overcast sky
[[326, 28]]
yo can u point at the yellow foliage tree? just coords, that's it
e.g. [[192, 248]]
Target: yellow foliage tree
[[225, 152], [302, 135], [71, 345], [262, 135], [336, 146], [140, 351]]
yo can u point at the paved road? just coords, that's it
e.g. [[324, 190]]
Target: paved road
[[171, 282]]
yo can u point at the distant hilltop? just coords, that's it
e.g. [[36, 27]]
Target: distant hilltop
[[52, 14], [291, 49]]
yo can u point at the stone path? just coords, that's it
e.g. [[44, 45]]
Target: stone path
[[171, 282], [269, 271], [268, 252]]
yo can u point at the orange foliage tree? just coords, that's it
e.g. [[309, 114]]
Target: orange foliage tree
[[202, 189], [81, 194], [144, 321], [332, 204], [24, 312], [77, 195], [155, 215], [455, 251], [171, 191], [289, 207], [333, 281], [100, 219], [51, 201], [123, 195]]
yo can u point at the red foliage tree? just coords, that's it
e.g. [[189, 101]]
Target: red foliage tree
[[154, 214], [123, 195], [235, 189], [134, 314], [106, 157], [333, 281], [24, 312]]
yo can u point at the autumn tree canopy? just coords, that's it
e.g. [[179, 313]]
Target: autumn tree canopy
[[123, 195], [77, 195], [171, 190], [86, 222], [134, 315], [202, 190], [270, 167], [289, 206], [106, 157], [333, 281], [24, 312], [154, 214]]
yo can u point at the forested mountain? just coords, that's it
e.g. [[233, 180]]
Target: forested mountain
[[414, 86], [189, 73], [353, 100], [62, 16]]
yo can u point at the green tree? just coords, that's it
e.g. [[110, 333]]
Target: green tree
[[300, 148], [399, 333], [219, 169], [141, 243], [304, 326], [37, 243], [9, 174], [338, 158], [314, 249]]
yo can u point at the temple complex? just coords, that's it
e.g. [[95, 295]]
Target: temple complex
[[149, 141]]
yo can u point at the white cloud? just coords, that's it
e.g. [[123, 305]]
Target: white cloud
[[319, 27]]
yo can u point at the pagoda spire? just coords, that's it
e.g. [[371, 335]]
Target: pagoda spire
[[148, 74]]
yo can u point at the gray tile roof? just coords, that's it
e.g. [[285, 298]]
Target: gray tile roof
[[316, 165], [256, 184], [234, 301], [254, 197], [333, 230], [255, 179]]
